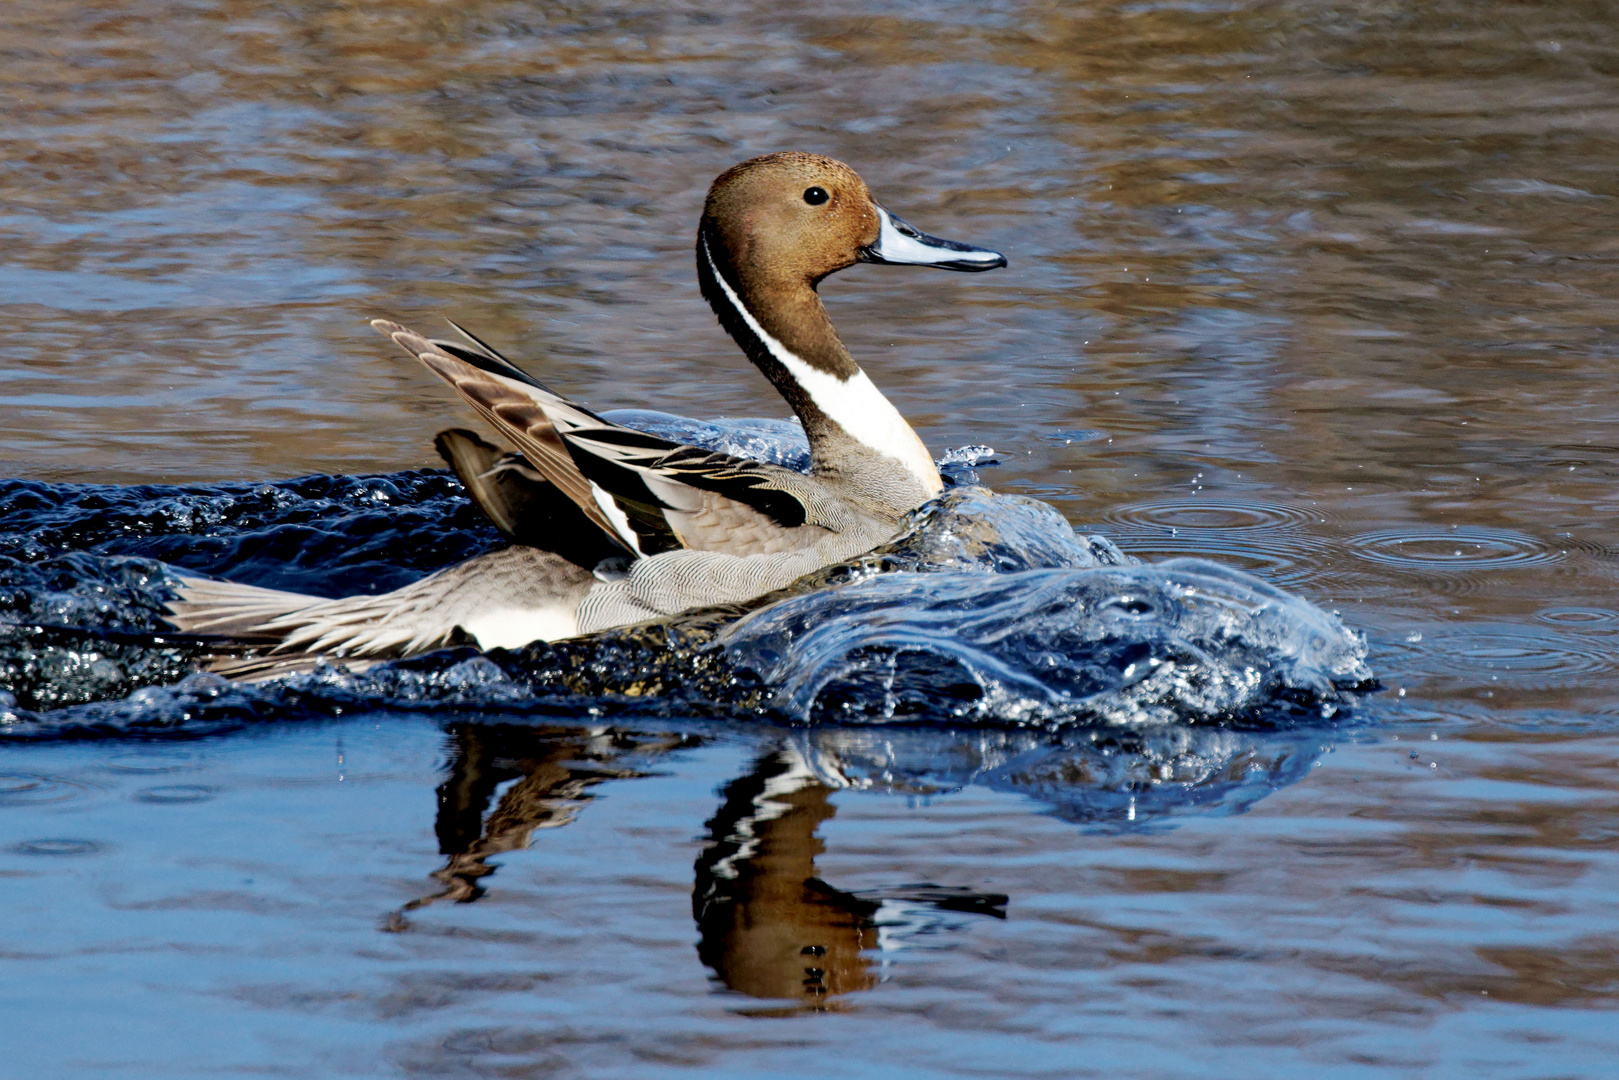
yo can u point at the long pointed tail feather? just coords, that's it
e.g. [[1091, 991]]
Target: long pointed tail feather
[[228, 609], [506, 598]]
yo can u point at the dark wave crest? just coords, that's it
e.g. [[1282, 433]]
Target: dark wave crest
[[988, 610]]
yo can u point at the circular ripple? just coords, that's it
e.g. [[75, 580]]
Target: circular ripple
[[1280, 558], [1452, 550], [178, 793], [1508, 652], [152, 764], [27, 789], [1577, 616], [1513, 654], [57, 845], [1224, 515]]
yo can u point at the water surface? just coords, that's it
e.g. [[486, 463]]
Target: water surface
[[1324, 292]]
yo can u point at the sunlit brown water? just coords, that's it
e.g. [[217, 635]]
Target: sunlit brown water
[[1327, 292]]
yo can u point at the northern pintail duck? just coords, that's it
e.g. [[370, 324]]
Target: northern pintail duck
[[611, 526]]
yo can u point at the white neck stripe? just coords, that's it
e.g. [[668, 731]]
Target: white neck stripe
[[854, 404]]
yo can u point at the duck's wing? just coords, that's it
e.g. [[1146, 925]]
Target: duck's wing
[[709, 501], [646, 493], [519, 406], [525, 506]]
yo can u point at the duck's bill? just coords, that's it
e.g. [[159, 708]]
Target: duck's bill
[[900, 244]]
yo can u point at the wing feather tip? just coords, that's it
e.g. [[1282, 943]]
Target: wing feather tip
[[412, 342]]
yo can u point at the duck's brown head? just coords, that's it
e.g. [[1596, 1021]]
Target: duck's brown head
[[798, 217]]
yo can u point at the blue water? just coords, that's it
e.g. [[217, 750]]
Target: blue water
[[1321, 294], [257, 920]]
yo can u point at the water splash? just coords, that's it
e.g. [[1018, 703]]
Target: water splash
[[986, 610], [778, 442], [990, 612]]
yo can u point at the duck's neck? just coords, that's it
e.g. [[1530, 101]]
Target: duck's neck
[[855, 433]]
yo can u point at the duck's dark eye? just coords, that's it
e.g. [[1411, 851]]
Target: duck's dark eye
[[815, 196]]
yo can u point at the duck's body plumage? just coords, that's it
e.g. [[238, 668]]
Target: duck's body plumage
[[612, 526]]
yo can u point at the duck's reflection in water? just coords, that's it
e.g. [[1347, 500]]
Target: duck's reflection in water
[[768, 926], [544, 776]]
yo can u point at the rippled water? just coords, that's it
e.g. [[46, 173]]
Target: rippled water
[[1319, 292]]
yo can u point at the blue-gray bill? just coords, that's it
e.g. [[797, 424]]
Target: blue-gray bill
[[901, 244]]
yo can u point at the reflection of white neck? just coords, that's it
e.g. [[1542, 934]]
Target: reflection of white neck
[[854, 404], [769, 805]]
